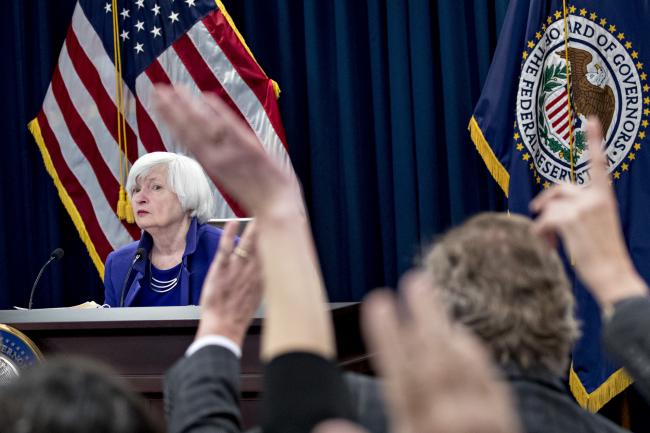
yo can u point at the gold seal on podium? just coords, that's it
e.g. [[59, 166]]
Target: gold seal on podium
[[16, 353]]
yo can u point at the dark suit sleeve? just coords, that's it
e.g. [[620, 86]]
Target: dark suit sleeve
[[202, 393], [367, 402], [301, 390], [627, 339]]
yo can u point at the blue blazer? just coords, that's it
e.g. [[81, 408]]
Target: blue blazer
[[202, 242]]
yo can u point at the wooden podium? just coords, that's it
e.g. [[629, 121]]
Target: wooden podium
[[141, 343]]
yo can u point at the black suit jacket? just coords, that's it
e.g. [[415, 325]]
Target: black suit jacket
[[366, 398], [542, 402], [202, 393], [545, 406]]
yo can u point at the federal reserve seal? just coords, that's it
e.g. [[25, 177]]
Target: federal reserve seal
[[17, 352], [595, 71]]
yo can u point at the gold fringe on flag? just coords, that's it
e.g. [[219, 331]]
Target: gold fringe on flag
[[494, 166], [595, 400], [35, 129]]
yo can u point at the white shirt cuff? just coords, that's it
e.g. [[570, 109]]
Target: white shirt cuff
[[213, 340]]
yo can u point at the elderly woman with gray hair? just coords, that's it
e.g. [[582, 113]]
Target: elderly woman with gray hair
[[171, 200]]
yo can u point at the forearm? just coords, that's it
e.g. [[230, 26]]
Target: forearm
[[614, 280], [297, 317], [628, 285], [602, 259]]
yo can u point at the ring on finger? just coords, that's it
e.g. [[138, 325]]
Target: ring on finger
[[239, 251]]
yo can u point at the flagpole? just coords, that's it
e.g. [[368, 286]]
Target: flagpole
[[568, 86]]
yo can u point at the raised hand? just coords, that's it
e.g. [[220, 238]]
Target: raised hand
[[586, 218], [226, 147], [232, 290], [296, 319], [438, 377]]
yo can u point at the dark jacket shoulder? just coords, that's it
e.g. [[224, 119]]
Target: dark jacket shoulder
[[544, 405]]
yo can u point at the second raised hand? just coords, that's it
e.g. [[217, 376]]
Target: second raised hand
[[225, 146], [586, 218]]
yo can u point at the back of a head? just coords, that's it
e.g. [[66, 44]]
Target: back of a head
[[71, 396], [509, 288]]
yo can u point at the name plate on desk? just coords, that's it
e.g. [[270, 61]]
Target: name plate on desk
[[17, 352]]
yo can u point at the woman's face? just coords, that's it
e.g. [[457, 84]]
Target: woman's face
[[154, 204]]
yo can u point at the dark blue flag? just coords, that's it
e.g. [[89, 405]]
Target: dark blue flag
[[555, 65]]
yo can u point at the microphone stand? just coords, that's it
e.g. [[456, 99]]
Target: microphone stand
[[38, 277], [138, 254]]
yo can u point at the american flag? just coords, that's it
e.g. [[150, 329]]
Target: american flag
[[188, 42]]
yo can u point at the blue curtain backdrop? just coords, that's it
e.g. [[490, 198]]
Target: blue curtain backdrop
[[376, 97]]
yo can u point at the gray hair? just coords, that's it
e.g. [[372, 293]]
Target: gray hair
[[509, 288], [185, 177]]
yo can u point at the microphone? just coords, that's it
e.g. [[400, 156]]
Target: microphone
[[139, 253], [55, 255]]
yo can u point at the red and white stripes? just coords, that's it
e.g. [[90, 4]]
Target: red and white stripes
[[557, 111], [78, 118]]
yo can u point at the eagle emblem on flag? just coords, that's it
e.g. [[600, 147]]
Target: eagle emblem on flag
[[565, 80]]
